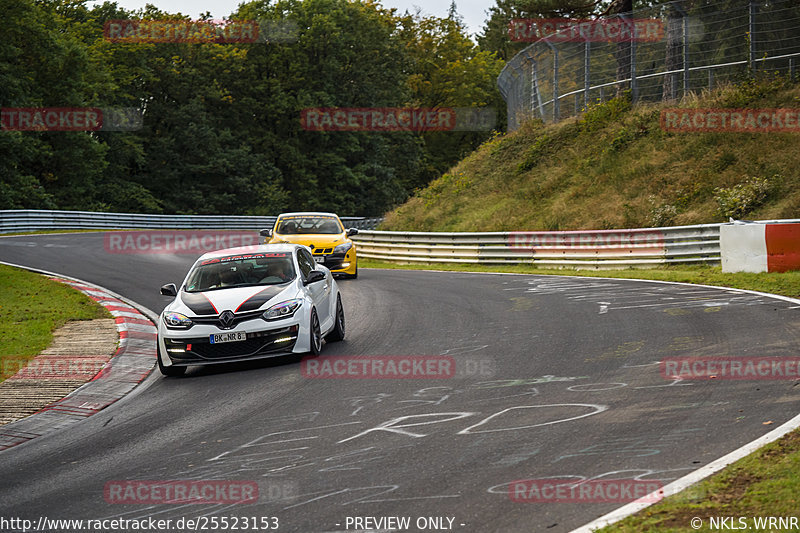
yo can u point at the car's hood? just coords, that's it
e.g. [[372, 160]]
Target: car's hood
[[238, 300], [315, 239]]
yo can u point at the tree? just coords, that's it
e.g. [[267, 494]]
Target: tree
[[448, 70]]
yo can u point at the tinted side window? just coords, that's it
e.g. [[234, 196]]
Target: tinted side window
[[305, 261]]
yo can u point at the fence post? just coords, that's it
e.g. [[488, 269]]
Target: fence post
[[685, 24], [752, 34], [535, 71], [586, 73], [556, 107], [710, 79], [534, 88], [634, 83]]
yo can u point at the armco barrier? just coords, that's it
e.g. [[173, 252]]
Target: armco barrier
[[40, 220], [560, 249], [760, 247]]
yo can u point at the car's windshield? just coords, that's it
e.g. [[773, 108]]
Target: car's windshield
[[298, 225], [243, 270]]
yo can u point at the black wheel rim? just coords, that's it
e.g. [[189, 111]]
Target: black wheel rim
[[340, 316]]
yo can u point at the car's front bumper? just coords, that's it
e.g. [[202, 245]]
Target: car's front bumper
[[264, 339], [183, 351], [339, 263]]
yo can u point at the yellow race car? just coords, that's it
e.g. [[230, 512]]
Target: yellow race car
[[324, 233]]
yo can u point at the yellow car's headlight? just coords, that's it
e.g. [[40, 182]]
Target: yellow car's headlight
[[343, 248]]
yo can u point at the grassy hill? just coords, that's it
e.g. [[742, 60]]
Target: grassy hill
[[614, 167]]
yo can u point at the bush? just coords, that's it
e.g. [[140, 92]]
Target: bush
[[736, 201]]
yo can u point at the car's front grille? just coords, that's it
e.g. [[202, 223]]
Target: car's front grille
[[231, 349], [333, 261]]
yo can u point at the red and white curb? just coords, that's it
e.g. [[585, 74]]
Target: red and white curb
[[131, 363]]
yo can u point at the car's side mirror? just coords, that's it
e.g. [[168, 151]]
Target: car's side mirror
[[169, 290], [265, 233], [352, 231], [314, 276]]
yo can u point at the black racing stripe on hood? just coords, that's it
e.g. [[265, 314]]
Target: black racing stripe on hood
[[198, 303], [260, 298]]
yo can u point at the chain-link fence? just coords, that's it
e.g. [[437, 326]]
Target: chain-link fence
[[700, 44]]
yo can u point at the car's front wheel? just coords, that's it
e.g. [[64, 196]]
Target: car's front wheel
[[337, 333], [170, 371], [316, 333]]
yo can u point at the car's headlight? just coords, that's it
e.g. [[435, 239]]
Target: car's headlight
[[177, 320], [282, 310], [343, 248]]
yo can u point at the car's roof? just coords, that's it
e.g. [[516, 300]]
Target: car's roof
[[261, 248], [308, 214]]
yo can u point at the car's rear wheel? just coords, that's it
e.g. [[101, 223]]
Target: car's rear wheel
[[316, 333], [170, 371], [337, 333]]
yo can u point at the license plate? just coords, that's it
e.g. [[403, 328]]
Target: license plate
[[234, 336], [319, 258]]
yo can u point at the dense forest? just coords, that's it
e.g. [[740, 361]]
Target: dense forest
[[221, 122]]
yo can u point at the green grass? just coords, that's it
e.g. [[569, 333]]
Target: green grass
[[31, 308], [614, 167], [763, 484]]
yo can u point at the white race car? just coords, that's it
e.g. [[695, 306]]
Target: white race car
[[249, 303]]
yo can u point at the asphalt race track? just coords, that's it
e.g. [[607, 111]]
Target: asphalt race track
[[558, 377]]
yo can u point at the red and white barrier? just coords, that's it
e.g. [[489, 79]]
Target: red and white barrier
[[760, 247]]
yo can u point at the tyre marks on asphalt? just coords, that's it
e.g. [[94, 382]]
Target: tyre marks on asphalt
[[373, 451], [608, 295]]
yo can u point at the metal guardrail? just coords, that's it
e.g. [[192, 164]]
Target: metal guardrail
[[40, 220], [591, 249], [560, 249]]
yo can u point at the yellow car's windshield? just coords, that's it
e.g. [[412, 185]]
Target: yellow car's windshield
[[309, 225]]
